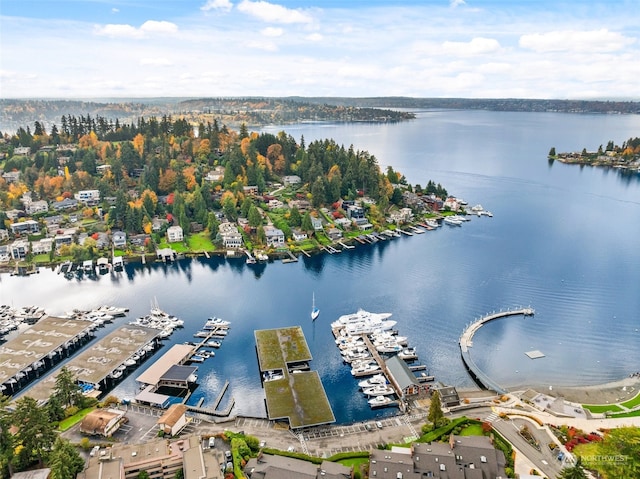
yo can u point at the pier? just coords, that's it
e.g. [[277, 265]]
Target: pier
[[214, 411], [346, 246], [291, 258], [466, 342]]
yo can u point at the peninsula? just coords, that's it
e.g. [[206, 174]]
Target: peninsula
[[626, 157]]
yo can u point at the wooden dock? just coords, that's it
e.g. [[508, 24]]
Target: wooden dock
[[346, 246]]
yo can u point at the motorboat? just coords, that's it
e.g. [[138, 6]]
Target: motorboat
[[379, 390], [364, 369], [451, 221], [373, 381], [213, 344], [112, 310], [214, 322], [378, 401]]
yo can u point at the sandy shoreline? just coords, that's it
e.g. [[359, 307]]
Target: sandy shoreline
[[607, 393]]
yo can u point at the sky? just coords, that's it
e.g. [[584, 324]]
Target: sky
[[349, 48]]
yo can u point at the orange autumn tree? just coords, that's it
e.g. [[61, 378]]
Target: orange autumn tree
[[138, 143]]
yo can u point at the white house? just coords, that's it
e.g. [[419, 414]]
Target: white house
[[291, 180], [88, 197], [317, 223], [119, 239], [34, 207], [19, 249], [231, 237], [298, 235], [217, 174], [4, 234], [275, 236], [175, 234], [22, 150], [45, 245]]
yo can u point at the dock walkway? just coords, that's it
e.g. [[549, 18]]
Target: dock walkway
[[466, 342]]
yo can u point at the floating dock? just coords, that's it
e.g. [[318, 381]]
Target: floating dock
[[466, 342]]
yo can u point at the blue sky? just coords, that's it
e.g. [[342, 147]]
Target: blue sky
[[431, 48]]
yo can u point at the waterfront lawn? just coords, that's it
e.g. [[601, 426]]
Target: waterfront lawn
[[200, 242], [602, 408], [177, 247], [41, 258], [632, 403]]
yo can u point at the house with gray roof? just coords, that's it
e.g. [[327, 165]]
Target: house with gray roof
[[266, 466]]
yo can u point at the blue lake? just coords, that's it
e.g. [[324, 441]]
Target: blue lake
[[563, 239]]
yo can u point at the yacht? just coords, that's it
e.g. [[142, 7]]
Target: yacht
[[379, 390], [214, 322], [373, 381], [112, 310], [431, 223], [213, 344], [364, 369], [380, 401], [408, 353], [451, 221]]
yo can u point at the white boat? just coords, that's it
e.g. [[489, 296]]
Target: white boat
[[379, 390], [451, 221], [214, 322], [112, 310], [213, 344], [390, 347], [380, 401], [431, 223], [197, 358], [373, 381], [315, 312], [408, 353], [365, 369]]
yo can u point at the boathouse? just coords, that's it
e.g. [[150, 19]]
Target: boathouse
[[173, 420], [408, 384]]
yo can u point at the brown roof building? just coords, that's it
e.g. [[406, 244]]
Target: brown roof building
[[102, 422]]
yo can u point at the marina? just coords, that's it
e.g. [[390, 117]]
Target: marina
[[374, 350]]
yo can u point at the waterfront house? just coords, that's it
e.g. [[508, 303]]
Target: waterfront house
[[22, 151], [45, 245], [139, 239], [448, 396], [343, 222], [301, 205], [463, 457], [14, 214], [298, 235], [19, 249], [25, 227], [5, 254], [355, 212], [157, 224], [102, 422], [175, 234], [405, 379], [334, 233], [275, 236], [119, 239], [173, 420], [63, 239], [231, 237], [451, 203], [274, 204], [4, 234]]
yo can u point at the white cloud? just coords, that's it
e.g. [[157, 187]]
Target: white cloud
[[578, 41], [118, 30], [152, 26], [149, 27], [223, 5], [115, 10], [477, 46], [270, 12], [163, 62], [314, 37], [456, 3], [272, 32]]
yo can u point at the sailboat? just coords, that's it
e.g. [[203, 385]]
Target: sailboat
[[315, 312]]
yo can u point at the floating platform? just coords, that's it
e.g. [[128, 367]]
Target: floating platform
[[535, 354]]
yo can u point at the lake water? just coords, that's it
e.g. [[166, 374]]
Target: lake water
[[563, 239]]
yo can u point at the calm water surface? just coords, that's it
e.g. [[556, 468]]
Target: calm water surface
[[563, 239]]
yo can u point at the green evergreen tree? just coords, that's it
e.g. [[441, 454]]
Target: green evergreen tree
[[64, 460], [36, 432], [435, 409], [295, 219], [254, 217], [66, 389]]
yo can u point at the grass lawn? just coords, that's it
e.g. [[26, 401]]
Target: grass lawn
[[602, 408], [635, 413], [41, 258], [200, 242], [472, 430], [75, 419], [633, 402]]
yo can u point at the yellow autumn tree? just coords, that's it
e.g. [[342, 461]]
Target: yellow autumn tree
[[189, 177], [89, 140], [138, 143], [274, 153]]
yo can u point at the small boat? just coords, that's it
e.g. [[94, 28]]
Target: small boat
[[380, 401], [451, 221], [213, 344], [315, 312], [197, 358], [214, 322]]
